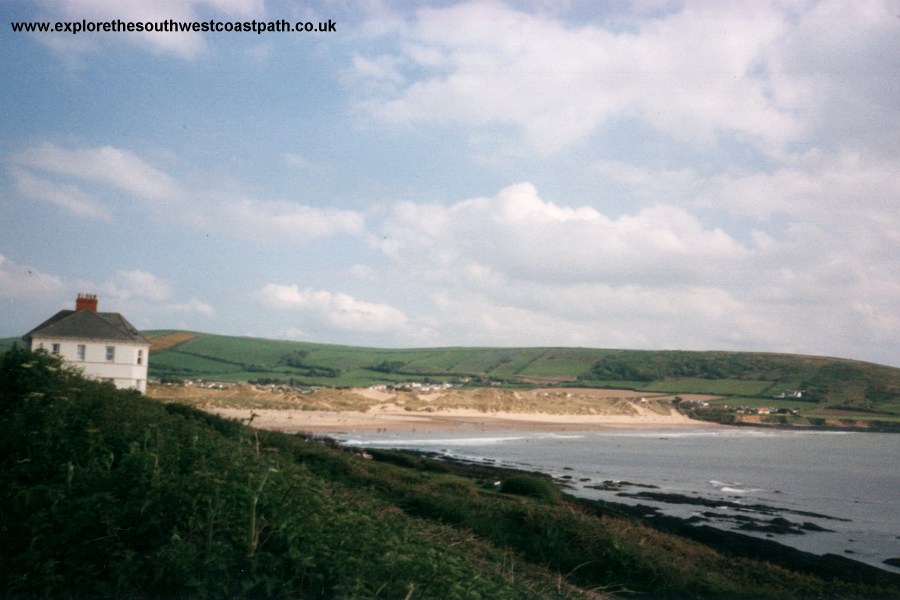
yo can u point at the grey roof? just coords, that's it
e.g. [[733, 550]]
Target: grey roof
[[87, 325]]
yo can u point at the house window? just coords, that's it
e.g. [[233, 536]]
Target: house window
[[110, 353], [81, 351], [140, 360], [54, 349]]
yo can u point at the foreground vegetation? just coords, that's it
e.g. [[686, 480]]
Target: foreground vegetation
[[104, 493]]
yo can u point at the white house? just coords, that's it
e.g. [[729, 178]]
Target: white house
[[104, 345]]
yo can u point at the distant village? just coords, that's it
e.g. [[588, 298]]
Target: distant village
[[266, 386], [745, 410]]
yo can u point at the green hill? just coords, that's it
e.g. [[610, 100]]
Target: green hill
[[809, 390], [817, 387], [106, 493]]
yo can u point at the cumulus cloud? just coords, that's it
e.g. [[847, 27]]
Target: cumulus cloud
[[782, 77], [838, 66], [338, 310], [518, 269], [518, 235], [692, 74]]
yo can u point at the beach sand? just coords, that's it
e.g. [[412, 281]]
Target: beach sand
[[390, 418], [292, 421], [370, 410]]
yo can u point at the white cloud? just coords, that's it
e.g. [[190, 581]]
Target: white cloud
[[24, 282], [838, 65], [692, 74], [182, 45], [781, 76], [143, 285], [838, 190], [147, 299], [594, 315], [106, 164], [517, 269], [518, 235], [67, 196], [286, 220], [381, 70], [133, 291], [337, 310], [190, 204], [651, 184], [192, 307]]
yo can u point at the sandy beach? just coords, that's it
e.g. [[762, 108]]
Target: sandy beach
[[373, 410], [292, 421]]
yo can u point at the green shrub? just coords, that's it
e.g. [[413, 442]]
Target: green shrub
[[531, 487]]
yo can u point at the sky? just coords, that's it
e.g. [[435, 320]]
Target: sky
[[649, 175]]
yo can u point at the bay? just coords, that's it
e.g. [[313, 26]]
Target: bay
[[839, 490]]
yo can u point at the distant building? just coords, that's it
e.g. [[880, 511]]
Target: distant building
[[104, 345]]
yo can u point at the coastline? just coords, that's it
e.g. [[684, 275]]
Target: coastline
[[398, 420], [727, 542], [368, 410], [386, 415]]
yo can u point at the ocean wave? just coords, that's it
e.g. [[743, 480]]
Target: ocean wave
[[733, 487], [459, 441], [694, 433]]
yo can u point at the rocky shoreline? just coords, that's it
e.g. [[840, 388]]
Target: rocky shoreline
[[729, 543], [739, 545]]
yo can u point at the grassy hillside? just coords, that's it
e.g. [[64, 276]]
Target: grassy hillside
[[105, 493], [831, 388]]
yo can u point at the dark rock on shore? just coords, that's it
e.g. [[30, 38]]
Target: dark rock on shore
[[728, 543], [669, 498], [739, 545], [777, 525], [614, 486]]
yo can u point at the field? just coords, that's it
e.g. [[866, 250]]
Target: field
[[726, 387], [743, 377]]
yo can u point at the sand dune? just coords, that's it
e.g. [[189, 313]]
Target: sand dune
[[372, 410]]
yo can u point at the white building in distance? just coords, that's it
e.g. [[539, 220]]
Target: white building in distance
[[104, 345]]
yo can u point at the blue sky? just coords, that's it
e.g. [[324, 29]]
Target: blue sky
[[691, 175]]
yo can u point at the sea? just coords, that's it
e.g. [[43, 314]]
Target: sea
[[838, 492]]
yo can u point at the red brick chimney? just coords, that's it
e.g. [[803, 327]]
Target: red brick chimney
[[86, 302]]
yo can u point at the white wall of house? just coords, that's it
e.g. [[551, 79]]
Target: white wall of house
[[120, 362]]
